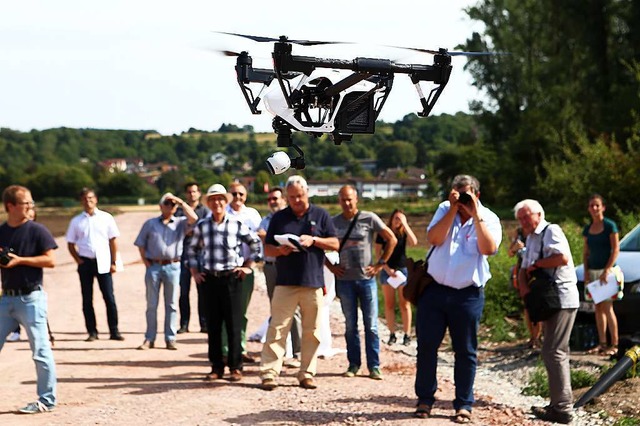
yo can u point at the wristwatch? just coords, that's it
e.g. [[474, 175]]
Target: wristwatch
[[382, 262]]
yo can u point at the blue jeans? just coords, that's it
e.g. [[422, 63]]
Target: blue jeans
[[350, 293], [30, 311], [169, 277], [87, 270], [439, 308]]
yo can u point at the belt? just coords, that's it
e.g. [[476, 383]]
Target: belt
[[268, 262], [219, 274], [19, 291], [163, 261]]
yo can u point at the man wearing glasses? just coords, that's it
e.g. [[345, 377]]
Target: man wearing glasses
[[91, 240], [160, 243], [251, 218], [27, 247]]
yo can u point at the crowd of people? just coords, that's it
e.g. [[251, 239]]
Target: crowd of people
[[216, 240]]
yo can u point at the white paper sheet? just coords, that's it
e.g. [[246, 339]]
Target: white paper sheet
[[286, 240], [395, 282], [602, 291]]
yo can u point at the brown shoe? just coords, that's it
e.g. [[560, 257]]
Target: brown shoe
[[214, 375], [308, 383], [269, 384], [236, 376], [248, 359], [146, 345], [171, 345]]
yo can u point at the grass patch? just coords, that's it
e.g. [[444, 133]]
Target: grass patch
[[538, 383]]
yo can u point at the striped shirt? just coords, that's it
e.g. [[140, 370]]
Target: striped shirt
[[219, 245]]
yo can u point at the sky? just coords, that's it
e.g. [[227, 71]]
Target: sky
[[152, 64]]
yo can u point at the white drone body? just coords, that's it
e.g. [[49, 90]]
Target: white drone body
[[322, 114]]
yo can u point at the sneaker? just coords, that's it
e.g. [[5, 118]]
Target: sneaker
[[146, 345], [13, 337], [375, 373], [92, 337], [183, 329], [171, 345], [352, 371], [392, 339], [35, 408], [407, 340]]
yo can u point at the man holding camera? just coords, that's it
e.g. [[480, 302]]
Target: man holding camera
[[463, 234], [27, 247], [91, 241], [160, 243]]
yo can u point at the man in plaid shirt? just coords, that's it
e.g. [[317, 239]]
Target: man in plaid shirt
[[217, 242]]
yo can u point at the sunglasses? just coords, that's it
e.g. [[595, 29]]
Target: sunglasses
[[272, 199], [238, 194]]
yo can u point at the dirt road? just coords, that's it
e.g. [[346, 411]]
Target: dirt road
[[110, 382]]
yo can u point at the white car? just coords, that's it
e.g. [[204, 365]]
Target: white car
[[628, 309]]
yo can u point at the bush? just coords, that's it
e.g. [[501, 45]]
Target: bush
[[538, 383]]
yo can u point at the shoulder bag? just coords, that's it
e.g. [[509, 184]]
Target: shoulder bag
[[417, 279], [543, 299]]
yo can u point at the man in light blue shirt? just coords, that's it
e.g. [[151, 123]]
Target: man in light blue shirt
[[160, 243], [463, 233]]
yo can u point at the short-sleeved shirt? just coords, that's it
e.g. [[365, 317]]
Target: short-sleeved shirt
[[162, 241], [356, 255], [457, 262], [600, 244], [398, 258], [91, 235], [251, 218], [301, 268], [28, 240], [554, 242]]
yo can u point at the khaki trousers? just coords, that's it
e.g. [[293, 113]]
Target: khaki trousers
[[283, 306]]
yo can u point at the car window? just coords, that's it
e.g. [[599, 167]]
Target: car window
[[631, 241]]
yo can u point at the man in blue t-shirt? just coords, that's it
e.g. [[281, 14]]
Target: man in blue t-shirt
[[27, 247], [297, 237]]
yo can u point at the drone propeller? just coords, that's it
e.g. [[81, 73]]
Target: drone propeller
[[261, 39], [446, 52]]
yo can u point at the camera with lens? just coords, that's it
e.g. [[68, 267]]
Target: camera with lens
[[4, 255], [464, 198]]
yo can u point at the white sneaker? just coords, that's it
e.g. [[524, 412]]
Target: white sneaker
[[13, 337]]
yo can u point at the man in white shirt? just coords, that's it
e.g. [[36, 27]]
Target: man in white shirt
[[91, 239]]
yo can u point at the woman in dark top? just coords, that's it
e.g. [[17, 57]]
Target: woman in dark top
[[403, 232], [601, 248]]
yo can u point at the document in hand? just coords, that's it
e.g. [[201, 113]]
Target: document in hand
[[602, 291], [395, 282], [290, 240]]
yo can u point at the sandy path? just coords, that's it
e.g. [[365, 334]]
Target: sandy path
[[109, 382]]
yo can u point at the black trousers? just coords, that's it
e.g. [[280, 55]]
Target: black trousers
[[88, 270], [224, 305]]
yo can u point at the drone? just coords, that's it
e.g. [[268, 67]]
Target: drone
[[336, 97]]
